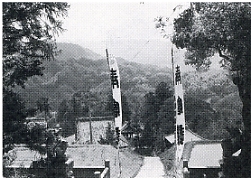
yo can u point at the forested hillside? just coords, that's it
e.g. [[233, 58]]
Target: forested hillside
[[65, 76], [78, 79], [215, 91]]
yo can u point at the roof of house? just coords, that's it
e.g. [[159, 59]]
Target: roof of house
[[123, 142], [203, 154], [189, 136], [237, 153], [98, 118], [24, 157], [127, 127]]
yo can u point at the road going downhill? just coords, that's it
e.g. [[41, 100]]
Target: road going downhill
[[152, 168]]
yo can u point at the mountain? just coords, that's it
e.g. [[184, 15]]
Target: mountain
[[79, 70], [69, 50]]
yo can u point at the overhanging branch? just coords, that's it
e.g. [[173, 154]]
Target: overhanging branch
[[223, 56]]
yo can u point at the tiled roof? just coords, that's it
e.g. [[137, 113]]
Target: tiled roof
[[189, 136], [87, 119], [24, 157], [203, 154]]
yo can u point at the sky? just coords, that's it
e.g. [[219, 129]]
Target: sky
[[126, 29]]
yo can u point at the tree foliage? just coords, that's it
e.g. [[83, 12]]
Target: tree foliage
[[14, 110], [109, 134], [153, 116], [28, 38], [29, 31], [209, 28], [205, 29]]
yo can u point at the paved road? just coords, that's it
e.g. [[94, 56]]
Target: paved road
[[152, 168]]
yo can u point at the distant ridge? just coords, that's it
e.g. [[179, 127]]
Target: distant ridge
[[75, 51]]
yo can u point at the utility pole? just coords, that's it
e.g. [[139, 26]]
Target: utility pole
[[75, 117], [65, 119], [90, 124]]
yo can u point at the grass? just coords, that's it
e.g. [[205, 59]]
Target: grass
[[168, 159]]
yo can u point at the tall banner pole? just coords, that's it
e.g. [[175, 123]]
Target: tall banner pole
[[116, 94], [179, 111]]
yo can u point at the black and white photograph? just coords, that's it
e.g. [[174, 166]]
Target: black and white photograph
[[126, 89]]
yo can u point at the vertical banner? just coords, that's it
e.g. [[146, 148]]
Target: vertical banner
[[115, 84], [179, 111]]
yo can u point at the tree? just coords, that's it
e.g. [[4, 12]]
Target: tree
[[166, 116], [67, 117], [153, 103], [109, 134], [149, 108], [28, 38], [126, 112], [149, 118], [14, 110], [154, 117], [162, 92], [43, 106], [147, 138], [205, 29], [29, 31]]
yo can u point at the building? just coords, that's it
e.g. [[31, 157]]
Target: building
[[131, 132], [91, 129], [203, 158], [127, 130], [189, 136]]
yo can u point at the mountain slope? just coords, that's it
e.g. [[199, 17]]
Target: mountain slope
[[83, 70], [69, 50]]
